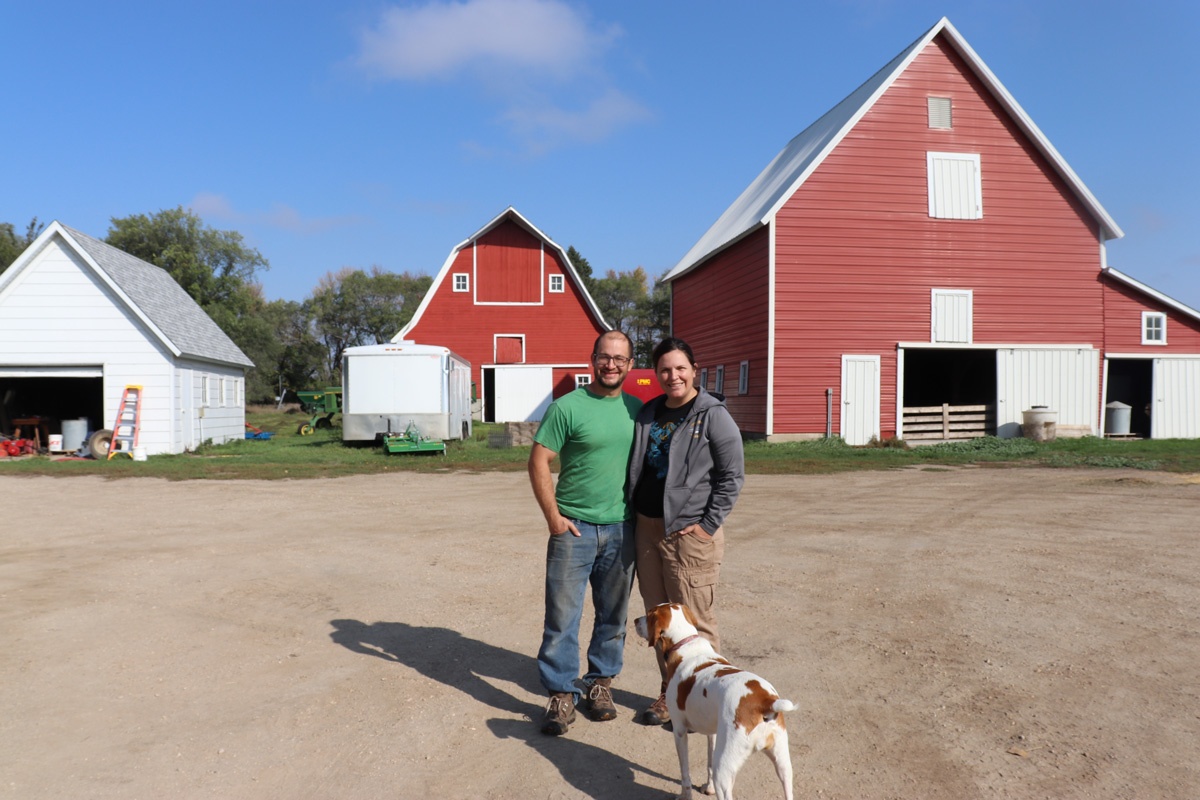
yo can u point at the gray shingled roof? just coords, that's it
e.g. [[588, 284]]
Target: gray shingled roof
[[164, 302]]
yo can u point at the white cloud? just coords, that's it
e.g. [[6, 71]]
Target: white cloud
[[522, 55], [214, 206], [441, 39], [548, 125]]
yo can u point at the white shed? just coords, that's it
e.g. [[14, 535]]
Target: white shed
[[80, 320]]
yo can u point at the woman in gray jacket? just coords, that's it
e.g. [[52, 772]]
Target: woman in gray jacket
[[684, 476]]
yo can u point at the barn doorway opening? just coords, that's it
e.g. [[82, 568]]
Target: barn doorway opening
[[1131, 381], [949, 395], [488, 376]]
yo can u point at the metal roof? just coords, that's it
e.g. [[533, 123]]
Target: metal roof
[[762, 199]]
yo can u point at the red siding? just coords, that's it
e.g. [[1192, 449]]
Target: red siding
[[722, 311], [1123, 307], [560, 331], [857, 253], [514, 266]]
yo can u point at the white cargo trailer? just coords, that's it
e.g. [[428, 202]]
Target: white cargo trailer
[[385, 387]]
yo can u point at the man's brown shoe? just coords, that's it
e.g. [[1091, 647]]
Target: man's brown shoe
[[657, 713], [599, 700], [560, 713]]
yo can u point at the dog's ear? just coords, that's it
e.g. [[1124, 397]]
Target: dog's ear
[[689, 616], [654, 626]]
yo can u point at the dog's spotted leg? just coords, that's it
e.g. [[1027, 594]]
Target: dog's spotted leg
[[710, 787], [681, 748]]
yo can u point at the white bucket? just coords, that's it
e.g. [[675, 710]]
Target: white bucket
[[139, 454], [55, 443]]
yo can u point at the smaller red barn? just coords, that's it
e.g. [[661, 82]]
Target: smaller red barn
[[508, 300]]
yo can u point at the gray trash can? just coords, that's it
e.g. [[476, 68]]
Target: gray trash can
[[1116, 418]]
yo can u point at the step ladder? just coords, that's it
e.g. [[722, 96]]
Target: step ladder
[[125, 429]]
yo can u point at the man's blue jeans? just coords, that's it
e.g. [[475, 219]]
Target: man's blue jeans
[[602, 555]]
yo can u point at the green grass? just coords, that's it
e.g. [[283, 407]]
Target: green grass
[[287, 455]]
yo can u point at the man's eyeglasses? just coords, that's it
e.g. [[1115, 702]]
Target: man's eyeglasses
[[602, 359]]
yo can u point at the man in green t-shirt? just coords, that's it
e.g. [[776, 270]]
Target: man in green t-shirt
[[590, 430]]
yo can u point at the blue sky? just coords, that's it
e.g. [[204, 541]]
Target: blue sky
[[360, 134]]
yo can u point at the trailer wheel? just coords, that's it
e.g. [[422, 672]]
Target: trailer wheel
[[305, 429], [466, 431], [99, 443]]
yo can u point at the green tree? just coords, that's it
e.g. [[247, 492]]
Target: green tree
[[211, 265], [299, 361], [216, 268], [618, 293], [351, 307], [651, 321], [12, 245], [582, 268]]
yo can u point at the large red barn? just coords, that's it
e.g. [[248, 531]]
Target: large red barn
[[922, 262], [508, 300]]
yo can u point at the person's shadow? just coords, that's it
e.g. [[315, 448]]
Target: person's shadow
[[462, 663]]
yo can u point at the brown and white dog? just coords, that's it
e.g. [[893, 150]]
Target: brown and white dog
[[738, 711]]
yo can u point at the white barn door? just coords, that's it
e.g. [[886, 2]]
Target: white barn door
[[1176, 410], [522, 394], [1064, 380], [860, 399]]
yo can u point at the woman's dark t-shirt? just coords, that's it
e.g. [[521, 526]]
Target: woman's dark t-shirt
[[648, 494]]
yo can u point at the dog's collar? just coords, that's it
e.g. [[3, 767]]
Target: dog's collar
[[680, 643]]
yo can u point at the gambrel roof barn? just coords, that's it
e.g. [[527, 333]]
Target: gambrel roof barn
[[509, 301], [922, 250], [80, 320]]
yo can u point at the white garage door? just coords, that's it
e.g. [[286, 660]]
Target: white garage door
[[522, 393]]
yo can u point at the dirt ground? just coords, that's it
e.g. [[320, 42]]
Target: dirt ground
[[947, 633]]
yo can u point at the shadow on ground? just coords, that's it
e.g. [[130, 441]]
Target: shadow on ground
[[465, 664]]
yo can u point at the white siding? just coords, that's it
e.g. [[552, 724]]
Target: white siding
[[1176, 411], [203, 419], [1065, 380], [58, 313]]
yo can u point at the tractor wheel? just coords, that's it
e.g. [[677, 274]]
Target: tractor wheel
[[99, 443], [305, 429], [323, 423]]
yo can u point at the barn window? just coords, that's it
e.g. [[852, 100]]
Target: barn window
[[720, 384], [951, 317], [704, 378], [556, 283], [744, 377], [205, 397], [221, 391], [509, 348], [1154, 327], [939, 112], [955, 187], [462, 282], [582, 379]]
